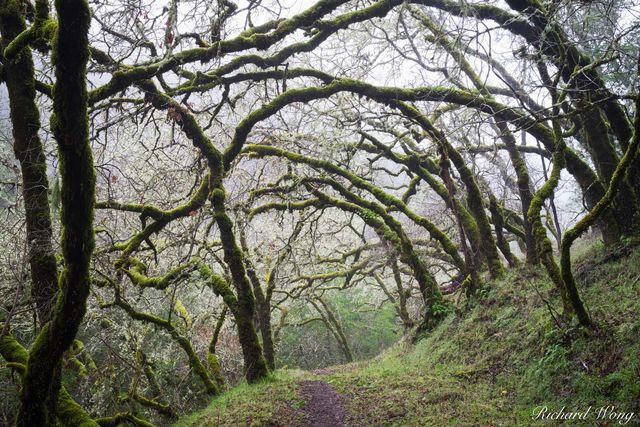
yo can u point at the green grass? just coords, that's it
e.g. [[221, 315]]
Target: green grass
[[491, 364], [274, 401]]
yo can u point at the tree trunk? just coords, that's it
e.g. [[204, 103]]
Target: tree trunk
[[41, 382], [255, 364], [25, 120], [498, 223], [598, 143], [263, 307]]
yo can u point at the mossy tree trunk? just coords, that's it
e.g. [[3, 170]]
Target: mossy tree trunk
[[524, 190], [69, 413], [570, 299], [214, 361], [619, 177], [255, 364], [592, 183], [602, 151], [263, 306], [41, 383], [545, 249], [403, 296], [25, 120], [498, 223]]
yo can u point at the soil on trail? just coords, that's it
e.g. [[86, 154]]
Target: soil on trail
[[324, 406]]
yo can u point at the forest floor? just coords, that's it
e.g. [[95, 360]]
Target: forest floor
[[494, 364]]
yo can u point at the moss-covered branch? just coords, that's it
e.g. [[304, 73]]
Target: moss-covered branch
[[39, 30], [390, 230], [119, 419], [263, 306], [212, 358], [162, 408], [219, 286], [498, 223], [285, 206], [194, 361], [383, 197], [248, 40], [525, 149], [137, 274], [393, 97]]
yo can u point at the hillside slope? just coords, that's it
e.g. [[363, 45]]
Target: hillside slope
[[494, 364]]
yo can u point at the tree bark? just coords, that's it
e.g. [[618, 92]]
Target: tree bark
[[41, 383], [255, 364], [25, 120]]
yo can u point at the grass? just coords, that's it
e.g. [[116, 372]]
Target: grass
[[491, 364], [274, 401]]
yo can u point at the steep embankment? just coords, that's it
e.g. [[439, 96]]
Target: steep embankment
[[491, 365]]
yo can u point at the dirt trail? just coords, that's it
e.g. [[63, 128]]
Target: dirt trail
[[324, 406]]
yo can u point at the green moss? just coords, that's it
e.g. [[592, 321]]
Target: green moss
[[219, 286], [12, 350], [498, 223], [543, 243], [181, 310], [214, 368], [123, 418], [162, 408], [72, 414], [48, 28], [19, 43], [217, 196]]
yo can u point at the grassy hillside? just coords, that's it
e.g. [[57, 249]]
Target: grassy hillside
[[491, 365]]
